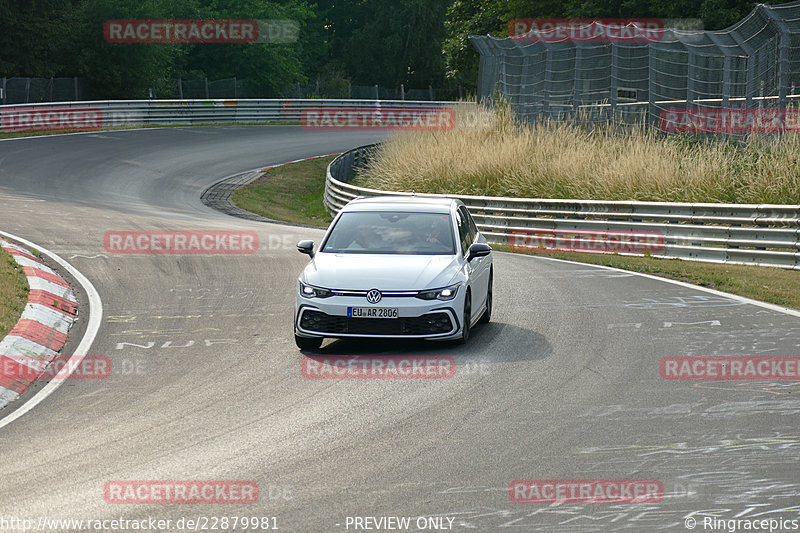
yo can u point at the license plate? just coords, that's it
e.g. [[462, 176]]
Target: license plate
[[372, 312]]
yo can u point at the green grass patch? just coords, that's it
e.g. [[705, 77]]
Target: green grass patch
[[15, 134], [43, 133], [13, 292], [40, 133], [291, 193], [772, 285]]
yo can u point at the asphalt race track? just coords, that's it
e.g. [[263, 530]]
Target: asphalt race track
[[564, 383]]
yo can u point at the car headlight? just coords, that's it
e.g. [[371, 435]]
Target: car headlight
[[314, 292], [445, 293]]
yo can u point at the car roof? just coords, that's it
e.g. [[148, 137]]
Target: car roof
[[421, 204]]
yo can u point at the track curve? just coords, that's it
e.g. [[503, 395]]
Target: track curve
[[564, 383]]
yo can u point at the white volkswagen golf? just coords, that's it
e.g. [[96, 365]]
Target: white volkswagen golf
[[395, 267]]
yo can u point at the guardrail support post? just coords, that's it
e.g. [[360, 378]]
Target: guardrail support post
[[614, 77], [651, 85], [691, 68], [784, 46], [548, 77]]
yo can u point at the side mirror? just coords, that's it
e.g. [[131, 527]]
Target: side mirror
[[478, 249], [306, 247]]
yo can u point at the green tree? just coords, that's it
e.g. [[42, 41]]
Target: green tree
[[123, 70], [382, 42], [721, 14], [465, 18], [715, 14], [33, 34], [269, 67]]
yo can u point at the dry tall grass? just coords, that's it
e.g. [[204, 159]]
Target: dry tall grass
[[503, 158]]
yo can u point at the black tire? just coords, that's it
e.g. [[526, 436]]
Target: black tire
[[467, 318], [308, 343], [487, 314]]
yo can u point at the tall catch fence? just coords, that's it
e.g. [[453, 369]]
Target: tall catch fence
[[40, 90], [754, 64]]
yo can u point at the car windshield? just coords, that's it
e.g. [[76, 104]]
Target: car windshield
[[391, 233]]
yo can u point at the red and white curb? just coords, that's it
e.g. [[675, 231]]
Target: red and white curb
[[42, 329]]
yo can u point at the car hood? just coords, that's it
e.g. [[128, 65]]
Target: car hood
[[386, 272]]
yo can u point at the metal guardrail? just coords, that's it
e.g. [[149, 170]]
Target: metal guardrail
[[124, 113], [727, 233], [766, 235]]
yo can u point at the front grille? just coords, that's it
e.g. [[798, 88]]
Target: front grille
[[429, 324], [385, 294]]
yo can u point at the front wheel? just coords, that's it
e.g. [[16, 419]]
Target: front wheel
[[487, 315], [467, 318], [308, 343]]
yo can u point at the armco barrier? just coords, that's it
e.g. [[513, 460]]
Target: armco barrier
[[125, 113], [766, 235]]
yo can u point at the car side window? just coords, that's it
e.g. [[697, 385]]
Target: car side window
[[473, 229], [463, 231]]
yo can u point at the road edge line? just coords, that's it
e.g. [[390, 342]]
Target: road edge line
[[771, 307]]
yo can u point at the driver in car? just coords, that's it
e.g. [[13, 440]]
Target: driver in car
[[437, 230], [365, 239]]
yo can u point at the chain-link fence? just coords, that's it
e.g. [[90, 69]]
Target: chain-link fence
[[681, 75], [38, 90], [184, 89], [236, 88], [341, 89]]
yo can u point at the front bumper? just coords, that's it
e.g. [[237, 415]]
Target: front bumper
[[417, 319]]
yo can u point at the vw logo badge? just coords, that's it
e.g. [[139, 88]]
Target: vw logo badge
[[374, 296]]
